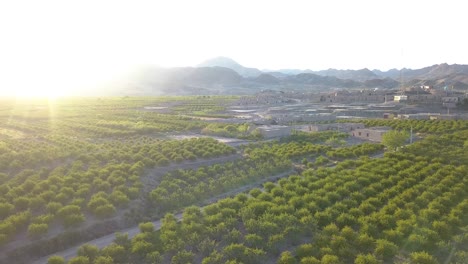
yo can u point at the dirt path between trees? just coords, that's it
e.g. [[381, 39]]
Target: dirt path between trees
[[133, 231], [150, 179], [106, 240]]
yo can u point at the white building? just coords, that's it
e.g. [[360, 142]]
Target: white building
[[372, 134], [274, 131], [341, 127], [400, 98]]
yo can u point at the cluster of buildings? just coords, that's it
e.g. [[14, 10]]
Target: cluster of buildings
[[298, 113], [267, 97], [345, 96], [287, 108], [416, 94], [278, 114], [357, 130], [432, 116], [341, 127], [419, 95]]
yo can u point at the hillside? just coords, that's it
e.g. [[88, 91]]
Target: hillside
[[438, 75], [356, 75], [231, 64], [184, 80], [225, 76]]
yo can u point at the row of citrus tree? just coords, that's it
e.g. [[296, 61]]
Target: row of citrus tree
[[98, 180], [409, 205]]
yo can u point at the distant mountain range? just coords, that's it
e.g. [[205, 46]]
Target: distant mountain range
[[231, 64], [223, 75]]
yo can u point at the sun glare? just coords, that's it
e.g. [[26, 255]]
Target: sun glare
[[34, 88], [34, 92], [50, 81]]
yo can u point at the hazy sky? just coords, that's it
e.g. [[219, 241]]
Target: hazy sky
[[51, 43]]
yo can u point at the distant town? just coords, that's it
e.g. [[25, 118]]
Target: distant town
[[277, 113]]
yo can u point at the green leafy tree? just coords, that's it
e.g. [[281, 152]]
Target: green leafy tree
[[68, 210], [330, 259], [53, 207], [335, 142], [103, 260], [461, 256], [310, 260], [36, 230], [385, 249], [154, 257], [214, 258], [287, 258], [73, 220], [183, 257], [104, 211], [394, 139], [141, 248], [366, 259], [89, 251], [79, 260], [5, 209], [147, 227], [422, 258], [116, 252], [21, 203], [170, 234], [122, 240], [306, 250], [56, 260]]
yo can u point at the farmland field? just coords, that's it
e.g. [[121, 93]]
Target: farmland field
[[72, 170]]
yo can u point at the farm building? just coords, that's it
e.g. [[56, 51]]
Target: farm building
[[341, 127], [372, 134], [400, 98], [388, 116], [274, 131], [418, 116]]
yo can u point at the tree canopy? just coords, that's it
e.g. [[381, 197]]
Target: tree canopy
[[394, 139]]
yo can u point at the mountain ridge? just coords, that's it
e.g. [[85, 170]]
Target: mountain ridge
[[435, 71], [231, 64], [222, 75]]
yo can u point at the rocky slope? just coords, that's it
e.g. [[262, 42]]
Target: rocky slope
[[225, 76]]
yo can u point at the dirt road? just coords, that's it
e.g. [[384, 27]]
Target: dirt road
[[101, 242], [150, 180], [106, 240]]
